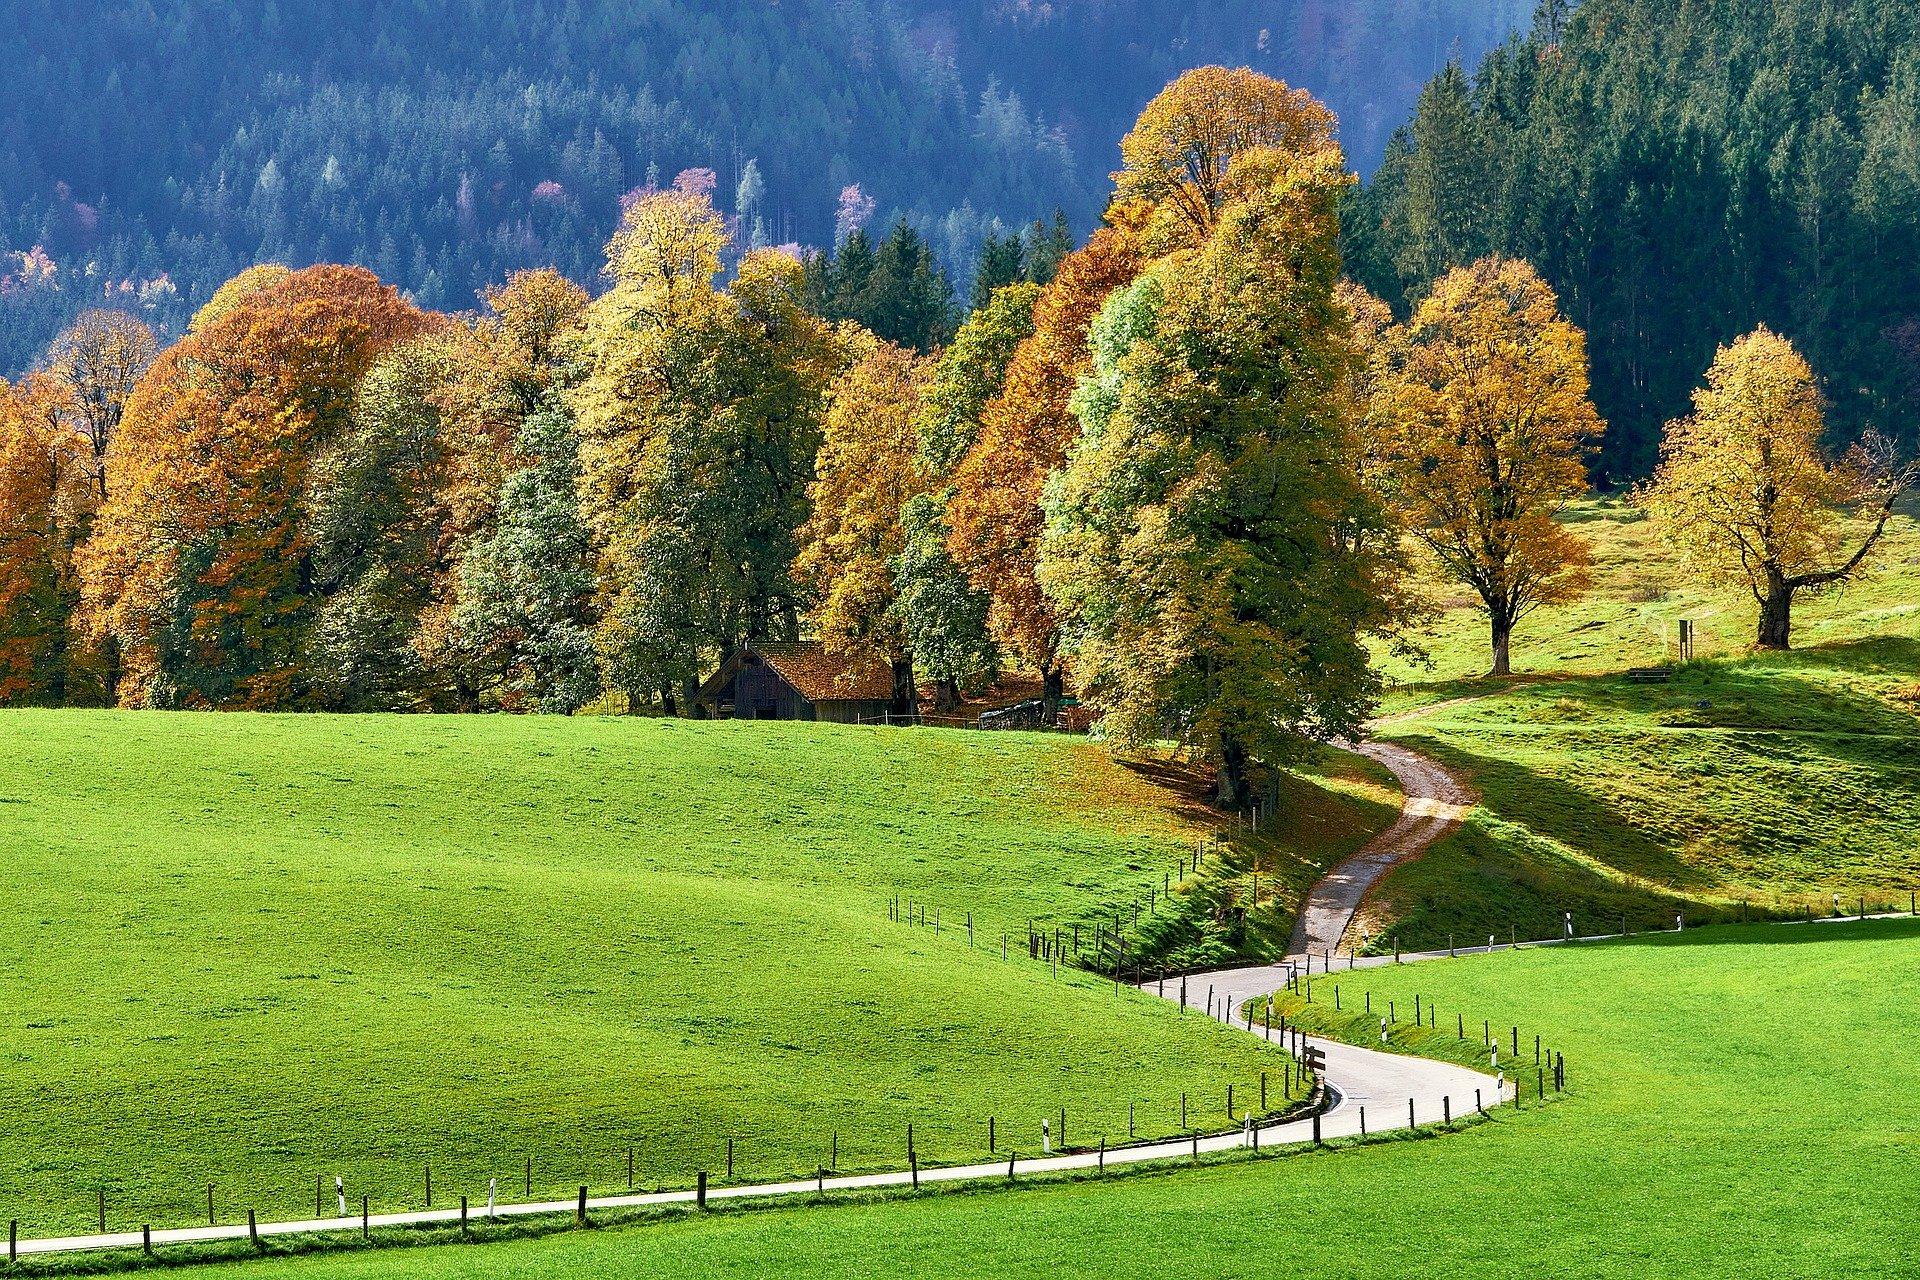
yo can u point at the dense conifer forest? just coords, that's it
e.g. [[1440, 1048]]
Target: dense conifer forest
[[1680, 172], [150, 149]]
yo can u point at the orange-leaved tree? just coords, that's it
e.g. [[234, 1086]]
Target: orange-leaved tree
[[1747, 496], [1480, 425], [43, 492], [994, 513], [199, 562]]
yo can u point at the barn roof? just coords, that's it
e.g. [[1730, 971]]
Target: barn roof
[[826, 677]]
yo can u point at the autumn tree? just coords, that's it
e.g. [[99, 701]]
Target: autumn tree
[[97, 361], [700, 418], [1481, 424], [1746, 495], [970, 372], [44, 481], [376, 522], [942, 615], [994, 513], [1178, 159], [945, 615], [867, 471], [1204, 542], [200, 563]]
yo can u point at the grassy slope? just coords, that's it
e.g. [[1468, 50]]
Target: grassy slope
[[1774, 778], [246, 950], [1764, 1125]]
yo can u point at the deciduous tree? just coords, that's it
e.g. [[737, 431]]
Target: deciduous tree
[[1179, 156], [994, 512], [868, 469], [1209, 543], [699, 418], [44, 482], [1480, 425], [1745, 493], [200, 561], [98, 360]]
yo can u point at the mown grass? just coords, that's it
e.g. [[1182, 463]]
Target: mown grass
[[249, 951], [1750, 783], [1740, 1102]]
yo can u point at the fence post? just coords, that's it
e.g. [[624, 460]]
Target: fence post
[[463, 1215], [700, 1191], [1410, 1121], [253, 1229], [366, 1219], [146, 1240], [13, 1241], [580, 1209]]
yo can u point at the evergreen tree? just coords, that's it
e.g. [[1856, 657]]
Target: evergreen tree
[[527, 590]]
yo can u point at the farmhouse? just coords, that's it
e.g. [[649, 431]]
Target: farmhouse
[[795, 681]]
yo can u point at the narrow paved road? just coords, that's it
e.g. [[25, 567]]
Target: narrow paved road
[[1434, 802]]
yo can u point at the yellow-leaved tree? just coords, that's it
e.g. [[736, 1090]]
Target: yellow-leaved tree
[[1746, 495], [1480, 424], [869, 467], [1179, 156]]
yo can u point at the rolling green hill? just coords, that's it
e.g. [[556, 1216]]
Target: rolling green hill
[[251, 950], [1750, 782], [1702, 1136]]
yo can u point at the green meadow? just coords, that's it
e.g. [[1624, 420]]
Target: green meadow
[[1751, 783], [249, 951], [1741, 1102]]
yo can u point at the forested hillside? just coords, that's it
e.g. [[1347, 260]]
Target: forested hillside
[[149, 149], [1680, 172]]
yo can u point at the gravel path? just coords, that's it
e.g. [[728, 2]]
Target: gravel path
[[1435, 801]]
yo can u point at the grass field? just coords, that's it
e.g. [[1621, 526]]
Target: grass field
[[249, 950], [1742, 1102], [1750, 782]]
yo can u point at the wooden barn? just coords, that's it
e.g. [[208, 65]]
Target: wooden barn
[[795, 681]]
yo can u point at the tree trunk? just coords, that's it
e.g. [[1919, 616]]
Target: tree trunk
[[1776, 614], [1502, 644], [906, 691], [946, 694], [1053, 687], [689, 691], [1231, 790]]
